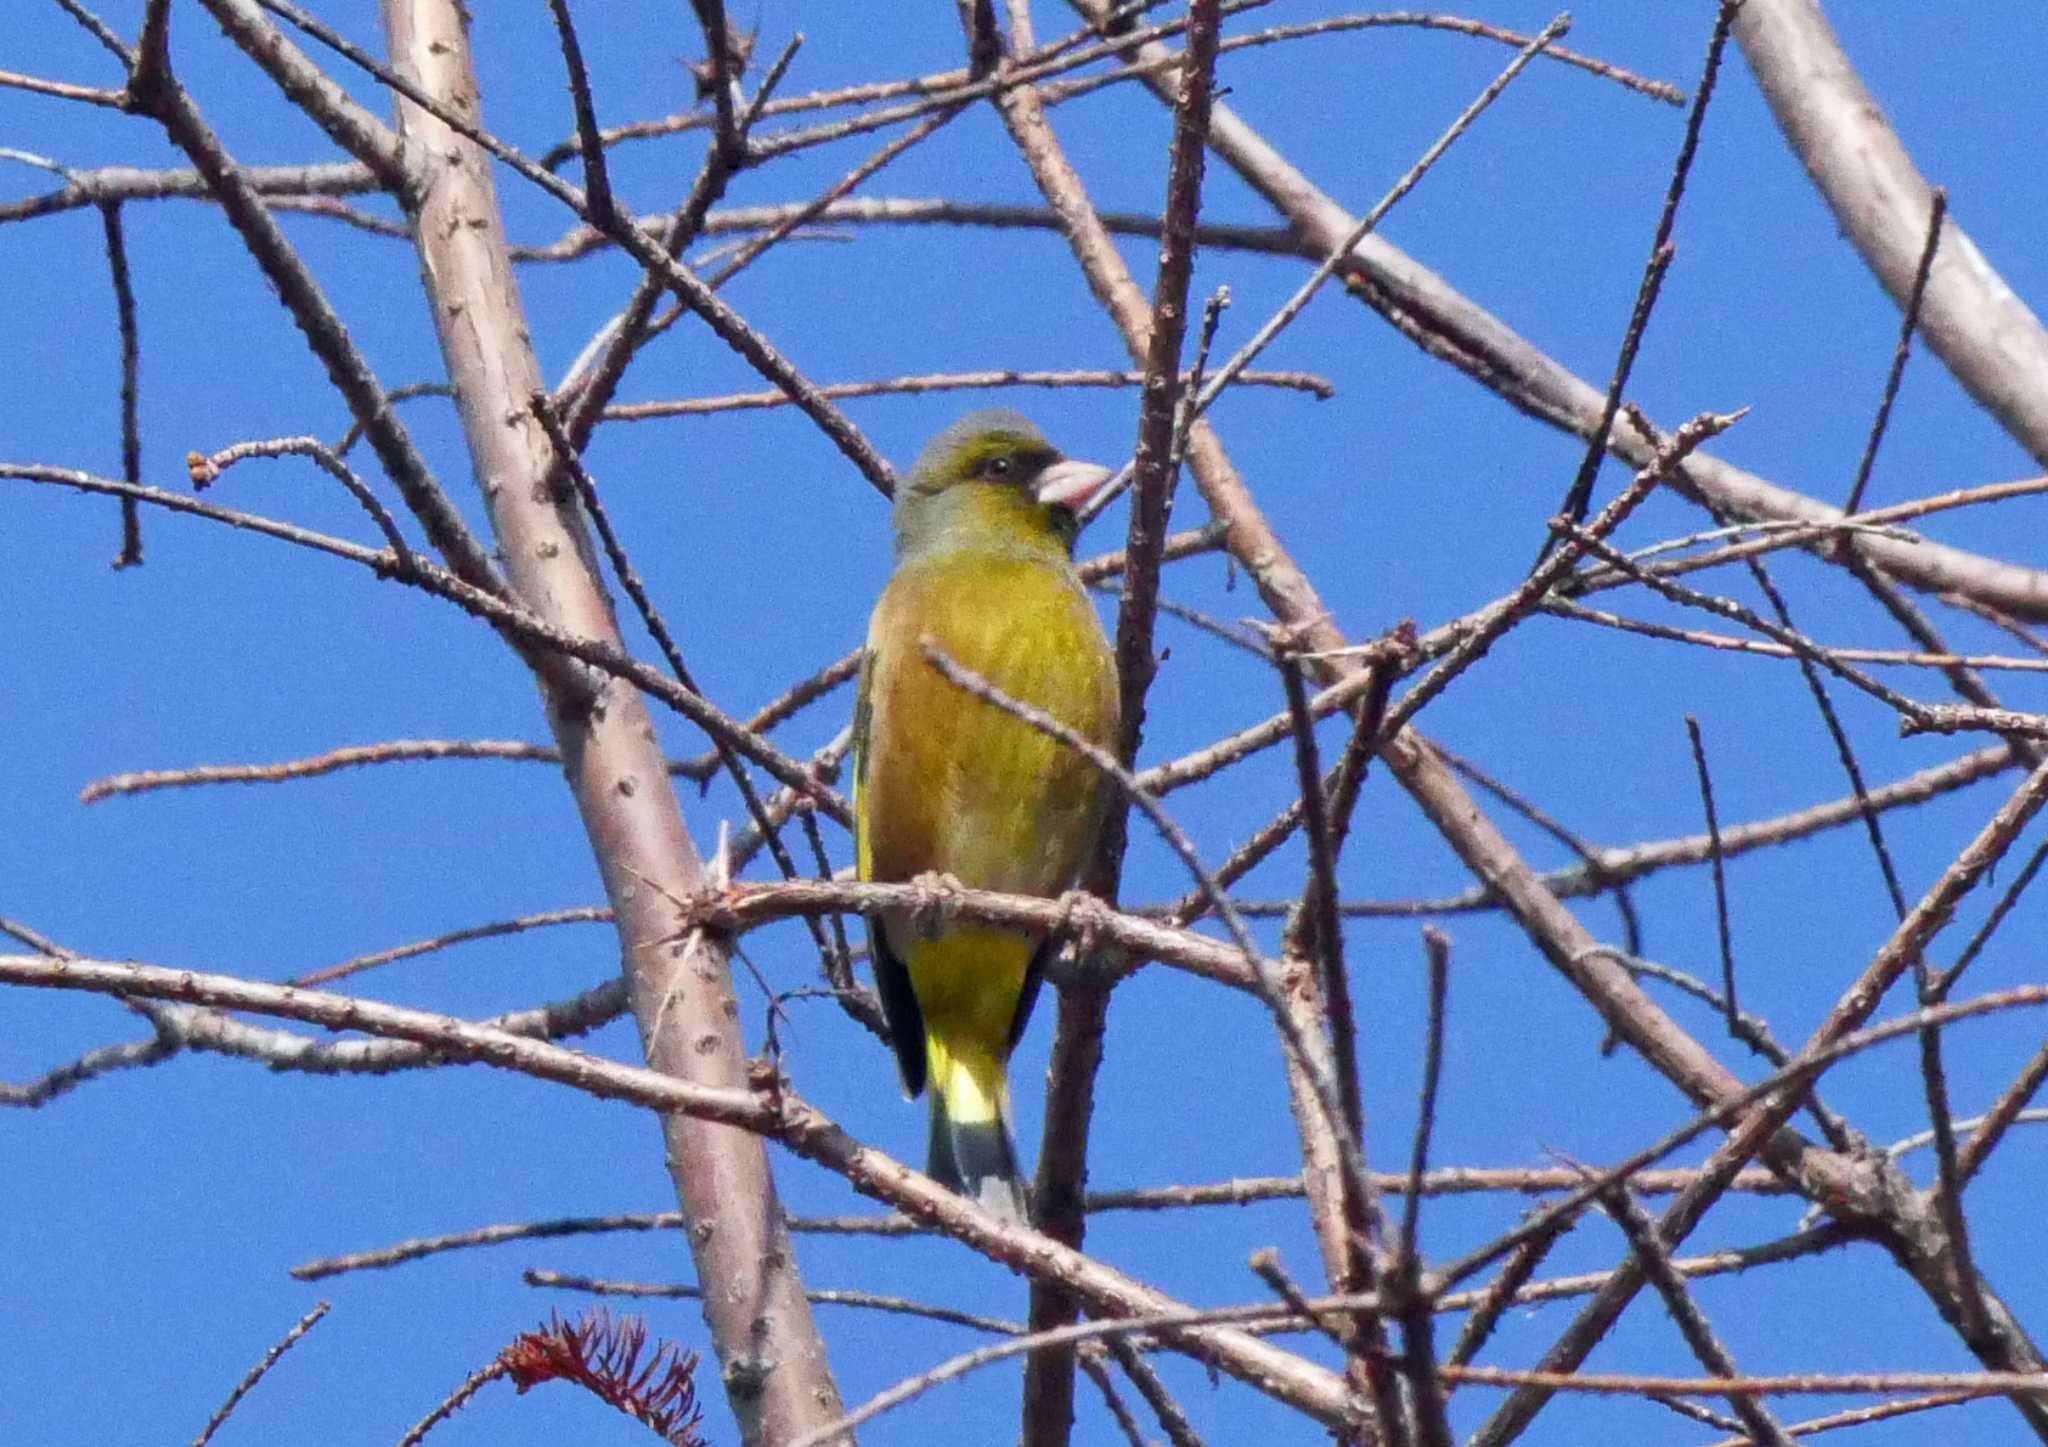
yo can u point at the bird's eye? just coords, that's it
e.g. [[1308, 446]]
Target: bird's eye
[[998, 467]]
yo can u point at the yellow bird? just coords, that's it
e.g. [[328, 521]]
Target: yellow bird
[[947, 784]]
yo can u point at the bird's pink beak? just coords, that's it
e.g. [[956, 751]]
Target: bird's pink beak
[[1070, 484]]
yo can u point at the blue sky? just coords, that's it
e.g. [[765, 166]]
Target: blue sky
[[152, 1216]]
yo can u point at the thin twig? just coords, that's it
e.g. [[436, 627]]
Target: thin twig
[[104, 1060], [214, 1032], [1613, 866], [525, 627], [496, 929], [1997, 619], [1931, 984], [594, 376], [1898, 657], [1860, 1416], [1752, 1030], [391, 751], [1445, 1181], [1091, 1366], [242, 1388], [1505, 1290], [1436, 948], [2007, 1110], [406, 393], [1692, 1324], [1211, 759], [1699, 762], [1949, 1179], [844, 186], [719, 58], [205, 471], [872, 1301], [1500, 617], [1580, 495], [62, 90], [1316, 928], [1994, 919], [1417, 1325], [1845, 752], [1263, 337], [1589, 856], [1909, 319], [1915, 715], [1308, 382], [131, 361], [1901, 554], [99, 30], [453, 1402], [1975, 1384], [1694, 1412], [597, 184], [1265, 1264], [1962, 679], [1179, 1430]]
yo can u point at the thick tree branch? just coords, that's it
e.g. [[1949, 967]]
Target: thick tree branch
[[1986, 336], [771, 1358]]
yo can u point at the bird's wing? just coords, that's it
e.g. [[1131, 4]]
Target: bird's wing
[[892, 976], [1034, 976], [1097, 667]]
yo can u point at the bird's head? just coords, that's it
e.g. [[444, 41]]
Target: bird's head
[[992, 480]]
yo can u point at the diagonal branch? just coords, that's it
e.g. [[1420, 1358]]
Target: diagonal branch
[[316, 95], [1877, 1196], [325, 334], [1692, 1322], [1984, 334], [1456, 330]]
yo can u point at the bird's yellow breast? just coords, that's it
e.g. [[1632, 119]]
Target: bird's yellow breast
[[952, 784]]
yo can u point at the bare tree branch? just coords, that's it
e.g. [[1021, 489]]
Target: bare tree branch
[[1454, 329], [242, 1388], [761, 1325], [776, 1111], [1982, 332]]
